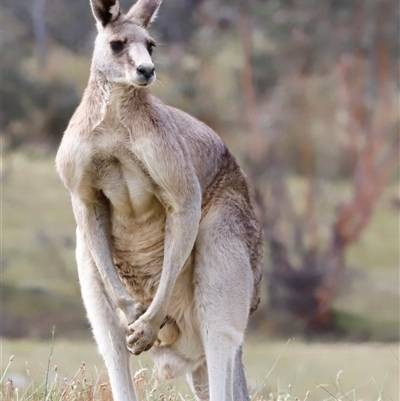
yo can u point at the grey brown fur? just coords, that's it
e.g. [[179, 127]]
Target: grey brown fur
[[166, 234]]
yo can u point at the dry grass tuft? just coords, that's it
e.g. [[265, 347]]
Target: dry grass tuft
[[295, 372], [80, 388]]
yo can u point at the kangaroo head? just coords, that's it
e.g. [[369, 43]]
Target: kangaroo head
[[123, 47]]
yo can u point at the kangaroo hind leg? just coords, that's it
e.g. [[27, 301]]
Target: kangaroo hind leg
[[107, 329], [223, 282], [240, 391], [198, 382]]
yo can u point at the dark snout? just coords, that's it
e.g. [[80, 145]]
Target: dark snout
[[146, 71]]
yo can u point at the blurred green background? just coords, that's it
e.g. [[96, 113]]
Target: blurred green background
[[304, 93]]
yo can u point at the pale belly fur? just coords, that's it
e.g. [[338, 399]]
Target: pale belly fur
[[137, 227], [137, 217], [137, 244], [138, 252]]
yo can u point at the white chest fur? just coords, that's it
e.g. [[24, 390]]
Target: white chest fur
[[119, 175], [137, 216]]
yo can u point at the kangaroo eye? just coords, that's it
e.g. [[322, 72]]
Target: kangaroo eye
[[150, 48], [117, 46]]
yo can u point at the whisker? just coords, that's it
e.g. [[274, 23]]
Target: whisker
[[158, 82]]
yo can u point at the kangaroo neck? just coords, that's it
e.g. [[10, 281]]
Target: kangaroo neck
[[117, 103], [113, 93]]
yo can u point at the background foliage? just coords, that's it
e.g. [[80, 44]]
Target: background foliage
[[305, 93]]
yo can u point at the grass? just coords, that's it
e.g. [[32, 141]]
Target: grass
[[275, 371]]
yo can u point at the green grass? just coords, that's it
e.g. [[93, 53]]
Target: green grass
[[378, 248], [38, 226], [368, 372]]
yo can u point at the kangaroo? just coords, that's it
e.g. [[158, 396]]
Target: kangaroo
[[169, 251]]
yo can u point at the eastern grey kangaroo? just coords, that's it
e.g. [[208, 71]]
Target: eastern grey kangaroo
[[169, 252]]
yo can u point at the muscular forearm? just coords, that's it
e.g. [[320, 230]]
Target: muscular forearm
[[180, 235], [92, 222]]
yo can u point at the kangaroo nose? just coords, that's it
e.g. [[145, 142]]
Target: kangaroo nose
[[147, 70]]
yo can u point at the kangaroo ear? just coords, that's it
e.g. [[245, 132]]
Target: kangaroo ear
[[105, 11], [144, 12]]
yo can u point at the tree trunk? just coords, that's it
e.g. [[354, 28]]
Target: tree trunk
[[307, 291]]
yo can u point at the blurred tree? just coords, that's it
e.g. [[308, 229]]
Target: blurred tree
[[295, 87], [306, 269], [40, 31], [36, 111]]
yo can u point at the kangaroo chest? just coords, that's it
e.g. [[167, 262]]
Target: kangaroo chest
[[137, 218]]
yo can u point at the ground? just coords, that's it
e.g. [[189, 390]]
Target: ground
[[353, 372]]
